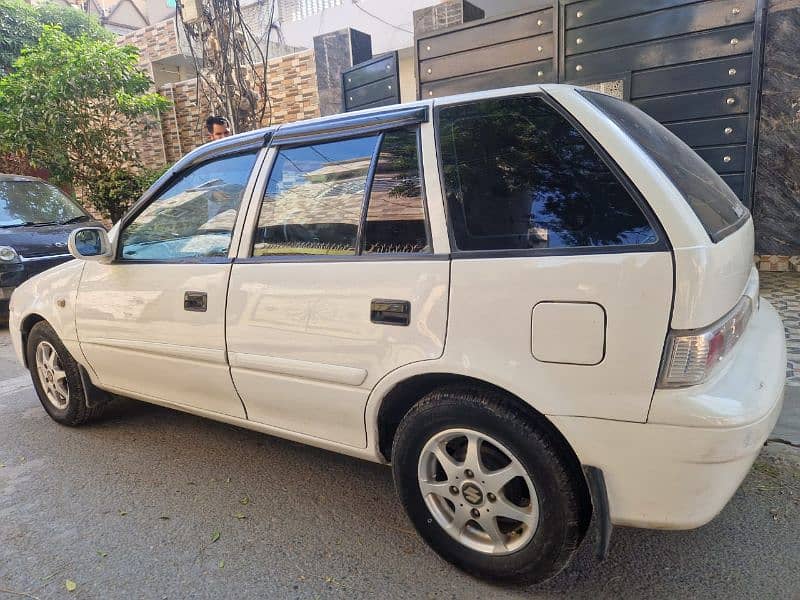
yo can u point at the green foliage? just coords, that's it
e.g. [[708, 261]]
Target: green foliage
[[69, 105], [113, 192], [21, 25], [74, 23]]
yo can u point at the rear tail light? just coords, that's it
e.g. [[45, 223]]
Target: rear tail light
[[691, 356]]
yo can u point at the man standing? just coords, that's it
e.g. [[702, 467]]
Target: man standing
[[217, 128]]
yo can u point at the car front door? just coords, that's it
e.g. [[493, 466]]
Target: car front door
[[337, 283], [151, 323]]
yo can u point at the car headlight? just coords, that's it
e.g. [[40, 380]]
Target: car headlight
[[8, 255]]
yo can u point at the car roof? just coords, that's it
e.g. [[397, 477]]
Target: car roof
[[338, 123], [13, 177]]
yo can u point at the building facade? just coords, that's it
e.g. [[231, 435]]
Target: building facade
[[718, 73]]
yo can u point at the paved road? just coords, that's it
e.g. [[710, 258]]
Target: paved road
[[130, 507]]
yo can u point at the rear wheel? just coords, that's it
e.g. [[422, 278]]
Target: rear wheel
[[57, 378], [490, 491]]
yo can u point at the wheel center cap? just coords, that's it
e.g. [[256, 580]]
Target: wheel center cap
[[472, 493]]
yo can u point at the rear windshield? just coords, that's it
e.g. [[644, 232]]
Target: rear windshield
[[714, 203], [35, 203]]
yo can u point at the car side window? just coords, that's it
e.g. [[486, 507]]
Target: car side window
[[395, 220], [314, 199], [519, 176], [193, 217]]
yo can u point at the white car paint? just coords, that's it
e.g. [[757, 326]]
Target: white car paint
[[302, 331], [309, 368], [50, 295], [138, 339], [489, 337]]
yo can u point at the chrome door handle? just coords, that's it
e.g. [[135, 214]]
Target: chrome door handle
[[195, 301], [390, 312]]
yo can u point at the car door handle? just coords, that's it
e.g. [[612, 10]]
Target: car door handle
[[195, 301], [390, 312]]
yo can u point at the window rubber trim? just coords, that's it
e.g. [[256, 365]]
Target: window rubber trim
[[362, 221], [342, 258], [350, 125]]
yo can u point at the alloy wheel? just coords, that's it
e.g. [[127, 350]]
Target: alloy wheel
[[478, 491], [52, 376]]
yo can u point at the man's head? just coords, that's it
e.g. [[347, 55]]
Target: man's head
[[217, 128]]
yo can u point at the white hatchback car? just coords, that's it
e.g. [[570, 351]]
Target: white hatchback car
[[536, 303]]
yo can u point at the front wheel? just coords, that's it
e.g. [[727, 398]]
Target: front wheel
[[57, 378], [489, 490]]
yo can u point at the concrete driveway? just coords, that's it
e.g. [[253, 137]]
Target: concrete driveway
[[152, 503]]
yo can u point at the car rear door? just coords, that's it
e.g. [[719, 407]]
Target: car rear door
[[337, 282], [151, 323]]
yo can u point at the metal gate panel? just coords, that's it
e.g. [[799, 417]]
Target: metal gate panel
[[693, 65], [712, 132], [660, 53], [692, 76], [657, 25], [375, 82], [589, 11], [487, 34], [496, 78], [487, 58], [724, 159], [503, 51], [701, 104]]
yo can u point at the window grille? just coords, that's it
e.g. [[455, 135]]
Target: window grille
[[614, 88], [297, 10]]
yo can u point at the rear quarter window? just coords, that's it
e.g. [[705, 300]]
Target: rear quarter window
[[719, 210], [520, 177]]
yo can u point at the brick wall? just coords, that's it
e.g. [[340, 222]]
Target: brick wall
[[156, 42], [181, 124], [148, 141], [292, 90], [292, 87]]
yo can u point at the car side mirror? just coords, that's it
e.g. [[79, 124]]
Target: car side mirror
[[90, 243]]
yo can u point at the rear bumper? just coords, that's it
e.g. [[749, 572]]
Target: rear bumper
[[680, 469]]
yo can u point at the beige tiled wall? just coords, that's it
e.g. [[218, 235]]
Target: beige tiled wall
[[156, 42], [771, 262], [292, 90]]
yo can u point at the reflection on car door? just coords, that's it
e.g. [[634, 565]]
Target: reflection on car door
[[151, 324], [334, 292]]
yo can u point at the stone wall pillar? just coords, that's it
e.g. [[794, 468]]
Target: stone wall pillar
[[335, 52], [776, 201]]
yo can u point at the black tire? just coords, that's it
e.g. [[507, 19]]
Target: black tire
[[563, 502], [77, 411]]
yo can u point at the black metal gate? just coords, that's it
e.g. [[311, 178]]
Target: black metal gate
[[693, 65], [375, 82]]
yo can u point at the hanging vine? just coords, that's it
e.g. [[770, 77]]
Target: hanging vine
[[230, 62]]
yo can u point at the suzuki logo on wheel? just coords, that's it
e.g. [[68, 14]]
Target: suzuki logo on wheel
[[472, 493]]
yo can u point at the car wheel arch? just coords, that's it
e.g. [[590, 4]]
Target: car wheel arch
[[403, 395], [25, 327]]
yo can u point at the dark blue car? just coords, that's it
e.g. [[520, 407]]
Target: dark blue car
[[36, 219]]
